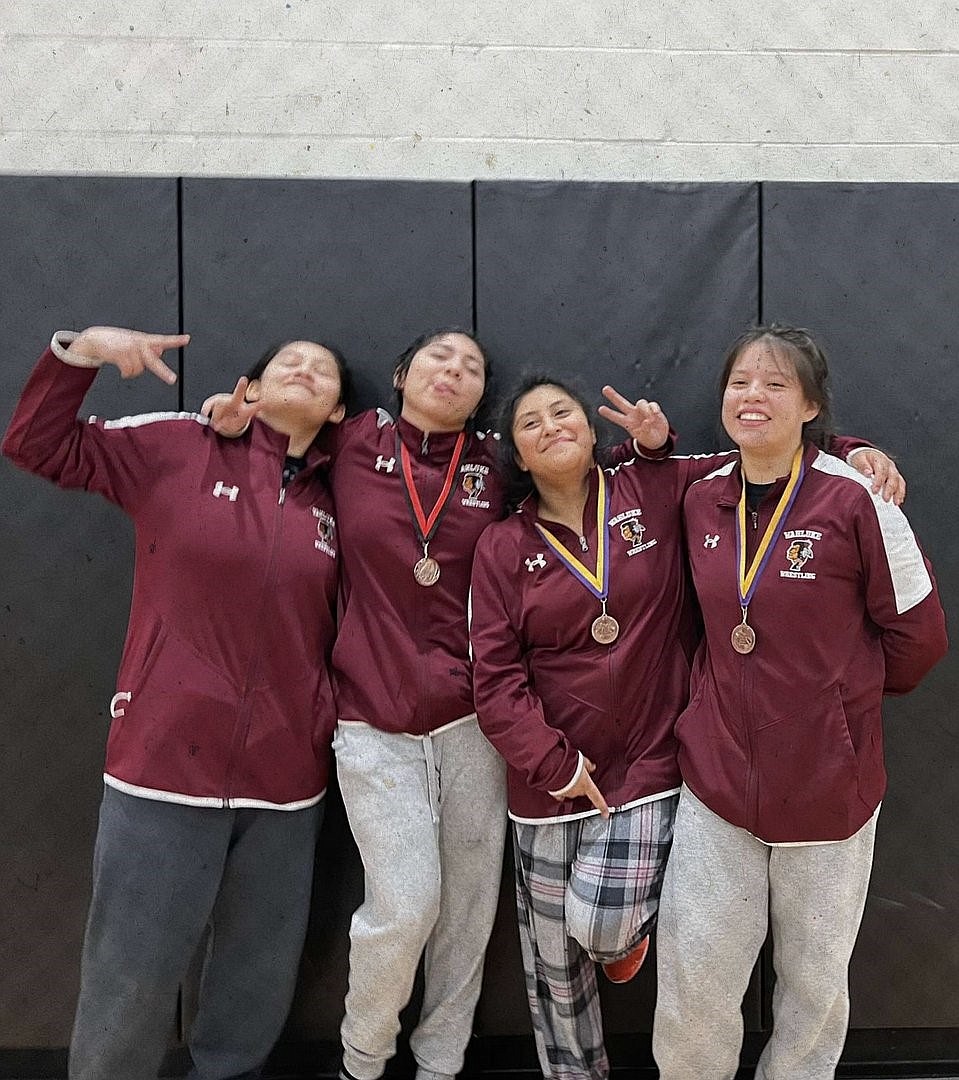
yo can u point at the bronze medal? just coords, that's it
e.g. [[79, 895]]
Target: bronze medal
[[605, 629], [743, 638], [426, 571]]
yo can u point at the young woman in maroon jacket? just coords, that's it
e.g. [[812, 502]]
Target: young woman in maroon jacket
[[423, 789], [816, 601], [218, 755], [582, 634]]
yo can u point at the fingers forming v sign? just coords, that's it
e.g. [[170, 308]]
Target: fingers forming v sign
[[644, 420], [230, 414], [150, 356]]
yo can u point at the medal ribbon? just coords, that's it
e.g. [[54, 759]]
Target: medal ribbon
[[748, 580], [598, 582], [428, 525]]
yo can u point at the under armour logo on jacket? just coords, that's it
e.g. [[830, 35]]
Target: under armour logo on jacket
[[533, 564], [219, 488], [384, 464], [711, 541]]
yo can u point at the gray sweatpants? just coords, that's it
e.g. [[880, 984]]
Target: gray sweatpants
[[429, 818], [161, 873], [723, 887]]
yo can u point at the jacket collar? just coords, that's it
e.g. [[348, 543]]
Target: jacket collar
[[264, 438], [733, 485], [430, 445]]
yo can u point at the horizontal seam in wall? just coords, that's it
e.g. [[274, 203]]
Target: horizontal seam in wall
[[477, 46], [177, 135]]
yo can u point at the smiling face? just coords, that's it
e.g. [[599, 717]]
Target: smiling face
[[552, 435], [299, 387], [764, 403], [443, 384]]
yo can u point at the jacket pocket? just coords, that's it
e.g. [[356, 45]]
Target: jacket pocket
[[807, 773]]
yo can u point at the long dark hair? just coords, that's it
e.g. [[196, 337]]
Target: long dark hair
[[401, 366], [810, 364]]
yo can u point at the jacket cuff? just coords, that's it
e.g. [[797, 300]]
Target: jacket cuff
[[664, 451], [563, 791], [855, 450], [62, 338]]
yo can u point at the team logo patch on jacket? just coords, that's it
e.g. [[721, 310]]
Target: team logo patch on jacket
[[799, 551], [473, 483], [325, 528], [631, 531]]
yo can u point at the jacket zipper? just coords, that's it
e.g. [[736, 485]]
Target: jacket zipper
[[752, 776], [241, 728]]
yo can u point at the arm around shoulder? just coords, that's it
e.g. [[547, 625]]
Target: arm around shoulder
[[902, 597]]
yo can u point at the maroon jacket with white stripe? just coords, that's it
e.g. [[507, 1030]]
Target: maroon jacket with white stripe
[[545, 690], [786, 742], [401, 659], [223, 693]]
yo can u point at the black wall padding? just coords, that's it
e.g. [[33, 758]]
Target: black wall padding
[[365, 265], [639, 285], [872, 270], [75, 252]]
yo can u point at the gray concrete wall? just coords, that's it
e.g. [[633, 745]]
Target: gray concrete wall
[[442, 89]]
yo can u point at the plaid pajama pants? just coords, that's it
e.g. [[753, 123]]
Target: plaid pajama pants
[[587, 891]]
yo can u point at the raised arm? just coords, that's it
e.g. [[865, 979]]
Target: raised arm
[[642, 420], [647, 425], [132, 352], [45, 437]]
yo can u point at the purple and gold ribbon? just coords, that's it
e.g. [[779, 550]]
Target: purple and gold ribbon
[[749, 579], [596, 581]]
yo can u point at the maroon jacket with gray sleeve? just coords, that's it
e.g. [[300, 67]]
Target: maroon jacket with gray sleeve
[[786, 741]]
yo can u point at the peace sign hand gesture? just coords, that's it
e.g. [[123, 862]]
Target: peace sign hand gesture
[[230, 414], [644, 420]]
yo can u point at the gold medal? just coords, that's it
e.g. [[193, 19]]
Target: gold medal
[[743, 638], [426, 571], [605, 629]]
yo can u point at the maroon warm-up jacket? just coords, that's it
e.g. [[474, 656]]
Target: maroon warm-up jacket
[[546, 692], [786, 741], [223, 693], [401, 660]]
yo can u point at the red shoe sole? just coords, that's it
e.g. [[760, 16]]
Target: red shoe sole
[[624, 969]]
